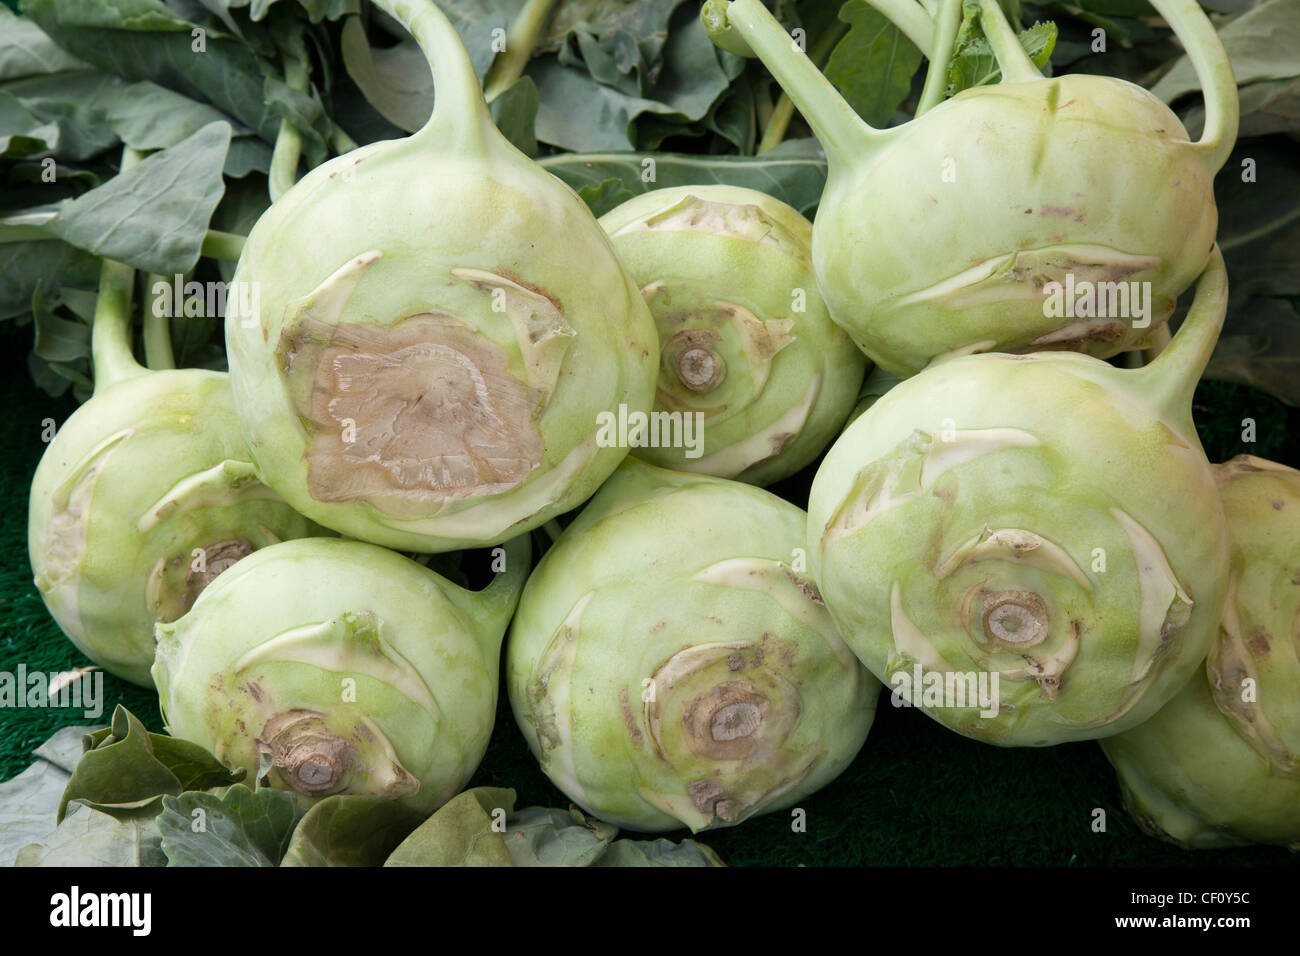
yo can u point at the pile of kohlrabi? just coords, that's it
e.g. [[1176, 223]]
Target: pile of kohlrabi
[[442, 363]]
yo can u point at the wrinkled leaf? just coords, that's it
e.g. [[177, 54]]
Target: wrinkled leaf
[[540, 837], [234, 827], [658, 853], [89, 838], [350, 830], [29, 801], [462, 833]]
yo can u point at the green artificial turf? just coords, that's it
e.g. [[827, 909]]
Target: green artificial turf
[[917, 793]]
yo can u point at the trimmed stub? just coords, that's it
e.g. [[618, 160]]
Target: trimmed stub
[[749, 352], [1024, 582], [698, 657], [335, 667], [144, 497]]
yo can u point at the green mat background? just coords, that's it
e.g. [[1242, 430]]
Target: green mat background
[[917, 794]]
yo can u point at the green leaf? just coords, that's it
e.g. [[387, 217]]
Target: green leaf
[[608, 194], [126, 770], [29, 801], [658, 853], [26, 50], [464, 832], [49, 264], [794, 172], [515, 113], [153, 216], [1260, 347], [539, 837], [396, 81], [350, 830], [147, 116], [873, 65], [89, 838], [58, 339], [235, 827]]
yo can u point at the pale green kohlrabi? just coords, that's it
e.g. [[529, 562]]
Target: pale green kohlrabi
[[752, 371], [669, 664], [1031, 547], [439, 324], [1220, 764], [341, 667], [969, 227], [145, 494]]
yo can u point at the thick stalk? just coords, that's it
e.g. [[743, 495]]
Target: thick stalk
[[843, 135], [1213, 69], [776, 125], [1171, 379], [459, 110], [1012, 59], [110, 331], [911, 17], [158, 329], [288, 143], [496, 603], [520, 43], [226, 246], [946, 26]]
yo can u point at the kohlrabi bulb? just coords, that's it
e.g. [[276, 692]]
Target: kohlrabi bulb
[[752, 370], [1218, 765], [1031, 547], [1039, 213], [146, 494], [670, 664], [341, 667], [436, 324]]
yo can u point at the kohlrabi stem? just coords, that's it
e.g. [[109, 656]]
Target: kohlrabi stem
[[496, 602], [910, 17], [1012, 59], [288, 143], [520, 43], [776, 125], [1213, 69], [946, 26], [110, 330], [458, 105], [929, 6], [226, 246], [1170, 380], [843, 135], [157, 329]]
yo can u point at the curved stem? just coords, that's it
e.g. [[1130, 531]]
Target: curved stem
[[520, 43], [777, 124], [945, 38], [341, 141], [910, 17], [458, 105], [1170, 380], [110, 331], [496, 603], [158, 329], [842, 133], [226, 246], [1213, 69], [1012, 59], [288, 143]]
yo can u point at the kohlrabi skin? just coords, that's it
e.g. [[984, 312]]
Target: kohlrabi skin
[[1218, 765], [438, 324], [146, 494], [750, 358], [1031, 547], [969, 228], [341, 667], [1254, 668], [669, 664]]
